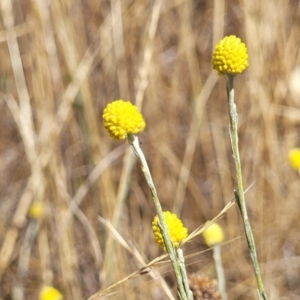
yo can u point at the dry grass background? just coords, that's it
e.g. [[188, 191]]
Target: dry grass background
[[63, 61]]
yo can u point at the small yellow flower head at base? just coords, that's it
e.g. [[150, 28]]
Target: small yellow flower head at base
[[36, 210], [176, 230], [213, 235], [121, 118], [50, 293], [294, 158], [230, 56]]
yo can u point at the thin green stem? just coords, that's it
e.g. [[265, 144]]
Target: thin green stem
[[177, 267], [184, 274], [233, 130]]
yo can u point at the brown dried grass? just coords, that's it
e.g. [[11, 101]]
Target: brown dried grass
[[62, 63]]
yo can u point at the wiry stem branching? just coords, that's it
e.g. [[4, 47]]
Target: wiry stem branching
[[233, 130]]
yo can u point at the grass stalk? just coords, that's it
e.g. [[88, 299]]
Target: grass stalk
[[220, 271], [233, 130], [177, 264]]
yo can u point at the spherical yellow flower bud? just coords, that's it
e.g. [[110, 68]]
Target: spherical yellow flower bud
[[213, 235], [294, 157], [36, 210], [121, 118], [50, 293], [230, 56], [176, 230]]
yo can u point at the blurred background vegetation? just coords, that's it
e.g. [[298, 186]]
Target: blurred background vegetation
[[63, 61]]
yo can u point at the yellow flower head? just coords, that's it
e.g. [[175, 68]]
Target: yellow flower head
[[294, 157], [176, 230], [121, 118], [50, 293], [230, 56], [36, 210], [213, 235]]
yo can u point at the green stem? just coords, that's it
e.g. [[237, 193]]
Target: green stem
[[184, 274], [233, 130], [181, 281]]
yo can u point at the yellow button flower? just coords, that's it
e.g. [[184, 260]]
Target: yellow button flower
[[176, 230], [121, 118], [50, 293], [213, 235], [230, 56], [36, 210], [294, 157]]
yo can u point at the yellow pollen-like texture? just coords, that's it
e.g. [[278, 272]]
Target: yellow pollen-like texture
[[121, 118], [230, 56], [175, 228]]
